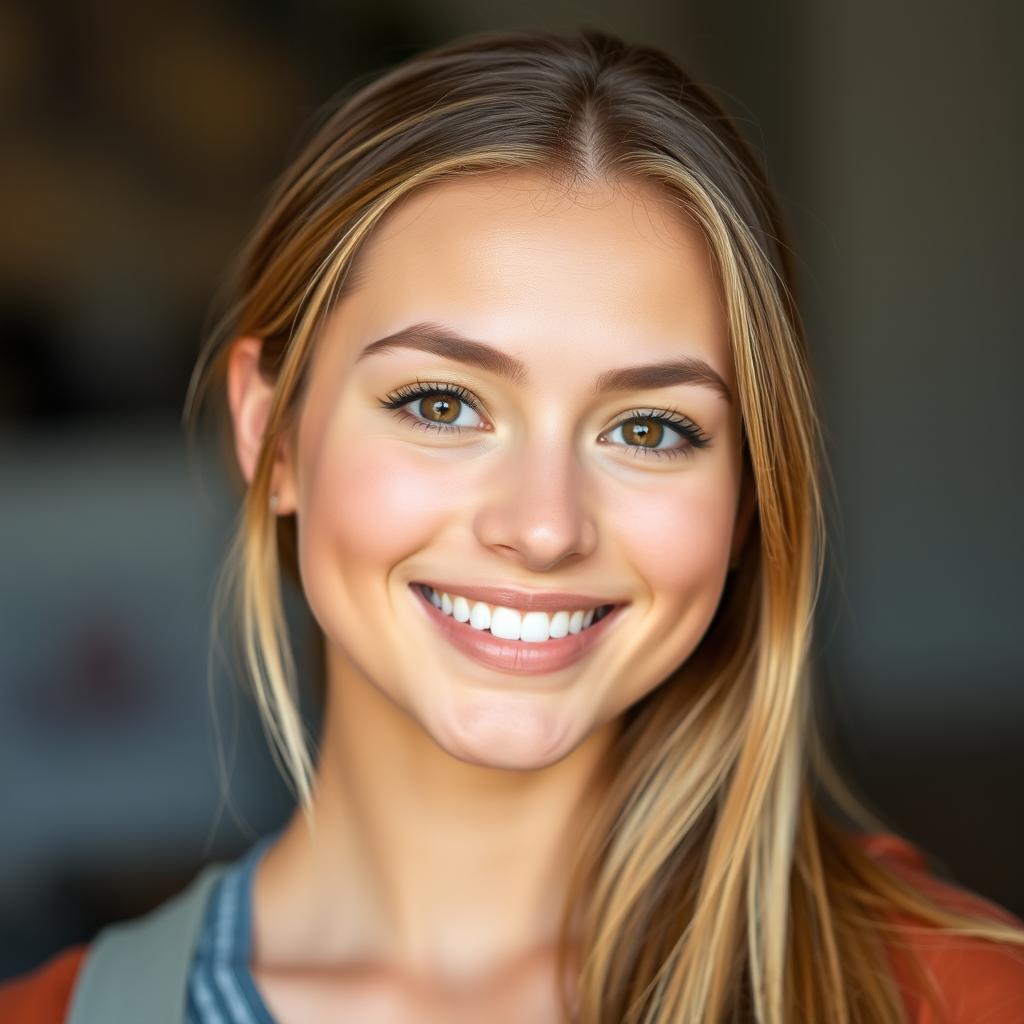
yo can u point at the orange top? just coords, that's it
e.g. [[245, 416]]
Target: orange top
[[980, 982], [43, 996]]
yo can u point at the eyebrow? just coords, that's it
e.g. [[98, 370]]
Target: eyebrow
[[444, 342]]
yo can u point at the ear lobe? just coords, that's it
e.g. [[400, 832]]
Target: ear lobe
[[249, 398]]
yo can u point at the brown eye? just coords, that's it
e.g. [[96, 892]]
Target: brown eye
[[643, 431], [442, 409], [435, 407], [648, 433]]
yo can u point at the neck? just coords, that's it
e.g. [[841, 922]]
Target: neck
[[418, 861]]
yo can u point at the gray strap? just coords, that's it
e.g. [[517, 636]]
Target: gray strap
[[138, 970]]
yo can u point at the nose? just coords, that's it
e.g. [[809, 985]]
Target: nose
[[537, 512]]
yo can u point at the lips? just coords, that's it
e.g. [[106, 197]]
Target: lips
[[524, 600], [516, 656]]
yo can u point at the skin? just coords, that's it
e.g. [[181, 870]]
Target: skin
[[448, 794]]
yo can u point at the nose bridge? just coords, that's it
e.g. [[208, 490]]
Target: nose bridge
[[540, 510]]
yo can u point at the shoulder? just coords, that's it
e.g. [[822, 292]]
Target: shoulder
[[978, 981], [42, 996], [118, 974]]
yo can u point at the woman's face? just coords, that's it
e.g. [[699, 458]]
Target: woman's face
[[581, 442]]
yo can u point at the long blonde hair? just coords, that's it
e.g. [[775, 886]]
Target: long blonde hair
[[712, 885]]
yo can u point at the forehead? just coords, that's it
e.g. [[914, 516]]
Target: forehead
[[614, 270]]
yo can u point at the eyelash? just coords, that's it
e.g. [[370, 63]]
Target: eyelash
[[681, 424]]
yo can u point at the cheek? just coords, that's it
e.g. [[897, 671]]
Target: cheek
[[678, 538], [367, 505], [371, 504]]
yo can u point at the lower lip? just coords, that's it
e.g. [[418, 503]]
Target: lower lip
[[516, 656]]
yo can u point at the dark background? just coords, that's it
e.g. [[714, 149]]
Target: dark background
[[139, 143]]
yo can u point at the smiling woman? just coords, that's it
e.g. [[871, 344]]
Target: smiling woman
[[427, 456], [519, 392]]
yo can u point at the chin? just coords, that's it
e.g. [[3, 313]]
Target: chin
[[516, 736]]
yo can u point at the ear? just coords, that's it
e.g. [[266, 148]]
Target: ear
[[746, 505], [249, 398]]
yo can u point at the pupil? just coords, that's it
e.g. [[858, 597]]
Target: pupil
[[644, 433], [443, 409]]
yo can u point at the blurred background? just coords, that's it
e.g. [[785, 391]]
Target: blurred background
[[139, 143]]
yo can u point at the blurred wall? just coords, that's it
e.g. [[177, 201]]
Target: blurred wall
[[140, 142]]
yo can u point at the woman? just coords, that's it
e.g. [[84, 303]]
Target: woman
[[520, 396]]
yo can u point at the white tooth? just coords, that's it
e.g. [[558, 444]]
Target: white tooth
[[506, 623], [480, 615], [510, 623], [559, 625], [460, 609], [536, 627]]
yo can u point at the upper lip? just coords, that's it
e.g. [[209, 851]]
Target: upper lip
[[526, 600]]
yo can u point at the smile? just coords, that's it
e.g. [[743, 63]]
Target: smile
[[513, 639], [514, 623]]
